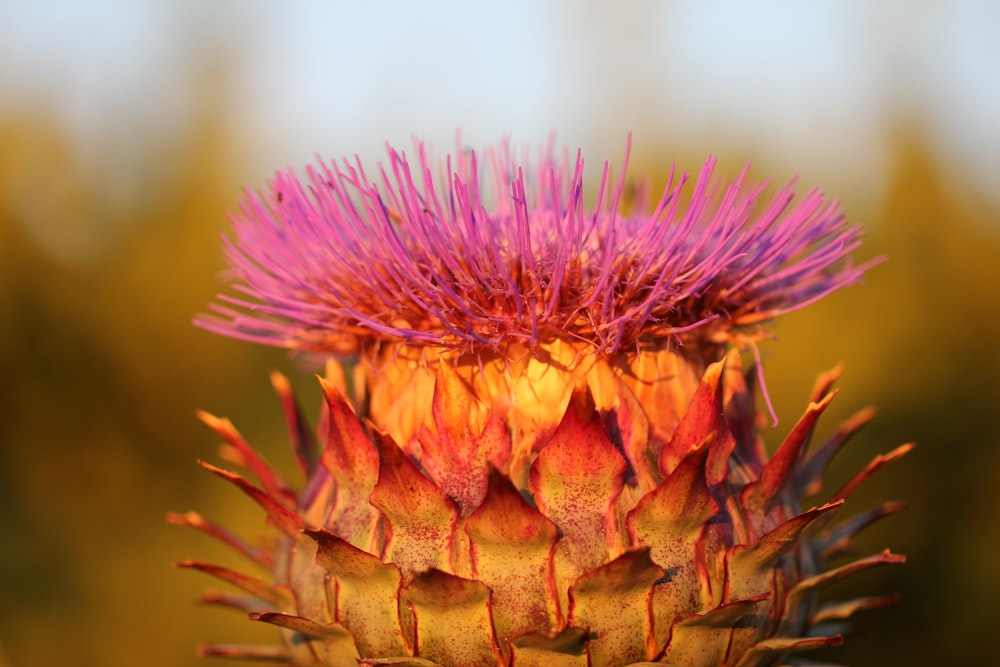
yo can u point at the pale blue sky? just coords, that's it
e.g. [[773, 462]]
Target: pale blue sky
[[809, 83]]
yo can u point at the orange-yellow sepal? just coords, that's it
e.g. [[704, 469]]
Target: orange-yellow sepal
[[512, 547], [758, 497], [796, 609], [367, 595], [352, 460], [765, 652], [421, 518], [563, 649], [576, 481], [467, 438], [703, 639], [452, 620], [288, 521], [331, 643], [614, 603], [703, 424], [749, 568], [670, 521], [277, 595]]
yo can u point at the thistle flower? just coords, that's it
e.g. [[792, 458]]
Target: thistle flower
[[537, 444]]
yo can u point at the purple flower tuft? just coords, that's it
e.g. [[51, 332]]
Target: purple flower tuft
[[484, 250]]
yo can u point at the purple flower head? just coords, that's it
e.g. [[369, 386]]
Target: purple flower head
[[484, 250]]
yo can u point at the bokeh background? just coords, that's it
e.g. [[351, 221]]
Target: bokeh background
[[128, 127]]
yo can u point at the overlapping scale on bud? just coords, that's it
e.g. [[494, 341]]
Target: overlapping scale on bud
[[547, 451], [613, 547]]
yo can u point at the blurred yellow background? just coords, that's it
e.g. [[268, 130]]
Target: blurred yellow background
[[128, 128]]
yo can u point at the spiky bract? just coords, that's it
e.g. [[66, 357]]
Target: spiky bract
[[613, 538]]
